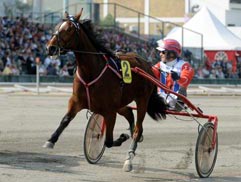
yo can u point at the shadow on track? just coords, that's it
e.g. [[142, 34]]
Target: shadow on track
[[39, 161]]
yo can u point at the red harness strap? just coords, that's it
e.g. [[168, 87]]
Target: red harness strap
[[87, 85]]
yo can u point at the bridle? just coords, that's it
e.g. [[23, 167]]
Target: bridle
[[60, 40]]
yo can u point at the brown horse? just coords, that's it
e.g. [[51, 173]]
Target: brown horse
[[98, 84]]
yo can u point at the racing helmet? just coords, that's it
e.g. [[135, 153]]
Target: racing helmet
[[169, 45]]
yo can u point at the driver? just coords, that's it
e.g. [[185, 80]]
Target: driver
[[173, 72]]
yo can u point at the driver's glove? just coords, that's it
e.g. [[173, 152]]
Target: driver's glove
[[175, 75]]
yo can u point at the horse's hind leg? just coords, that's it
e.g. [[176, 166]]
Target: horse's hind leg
[[127, 112], [141, 111], [110, 119], [73, 109]]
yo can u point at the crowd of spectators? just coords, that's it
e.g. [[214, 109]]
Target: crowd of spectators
[[21, 41], [213, 69], [218, 69], [119, 41]]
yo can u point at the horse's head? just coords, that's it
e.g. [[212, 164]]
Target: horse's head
[[66, 35]]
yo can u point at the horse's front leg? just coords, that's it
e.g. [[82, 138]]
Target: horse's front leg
[[73, 108], [141, 111]]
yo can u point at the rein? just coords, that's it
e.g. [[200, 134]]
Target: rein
[[77, 28], [84, 52]]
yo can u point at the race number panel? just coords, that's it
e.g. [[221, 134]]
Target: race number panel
[[126, 71]]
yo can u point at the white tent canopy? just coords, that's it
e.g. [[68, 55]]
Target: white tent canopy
[[215, 35]]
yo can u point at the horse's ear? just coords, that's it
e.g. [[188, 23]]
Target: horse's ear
[[66, 14], [77, 17]]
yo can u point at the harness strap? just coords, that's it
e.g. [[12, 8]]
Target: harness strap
[[87, 85]]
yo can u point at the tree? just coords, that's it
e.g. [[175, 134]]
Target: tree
[[108, 21]]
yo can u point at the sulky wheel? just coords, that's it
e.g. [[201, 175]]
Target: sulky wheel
[[94, 138], [205, 156]]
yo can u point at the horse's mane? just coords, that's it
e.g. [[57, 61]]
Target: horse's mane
[[98, 42], [95, 38]]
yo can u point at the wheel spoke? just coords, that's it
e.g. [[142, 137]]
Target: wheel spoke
[[205, 156], [94, 139]]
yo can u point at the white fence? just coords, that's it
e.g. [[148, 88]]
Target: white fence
[[67, 89]]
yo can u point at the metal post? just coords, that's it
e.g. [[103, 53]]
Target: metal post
[[202, 49], [105, 8], [146, 19], [37, 74], [115, 16], [182, 39], [90, 6], [52, 18], [163, 30], [65, 5], [139, 24]]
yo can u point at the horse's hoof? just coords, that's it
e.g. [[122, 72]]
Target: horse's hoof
[[48, 145], [123, 137], [127, 167], [141, 139]]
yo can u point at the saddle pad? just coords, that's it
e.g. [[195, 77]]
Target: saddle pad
[[126, 56]]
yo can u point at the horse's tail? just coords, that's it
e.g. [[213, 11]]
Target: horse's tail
[[156, 107]]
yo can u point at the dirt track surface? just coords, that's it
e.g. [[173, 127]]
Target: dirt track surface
[[166, 154]]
